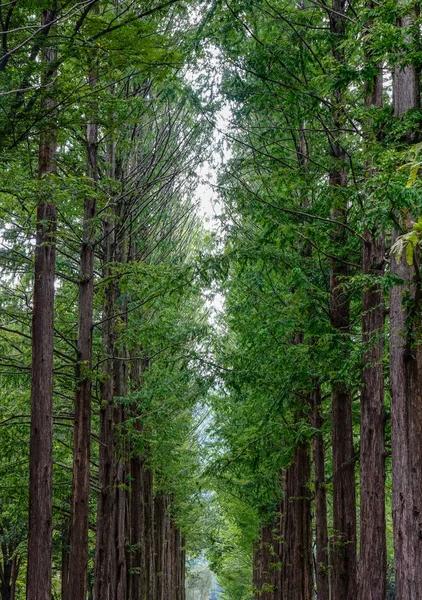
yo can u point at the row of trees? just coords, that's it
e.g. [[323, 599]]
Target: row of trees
[[101, 310], [317, 424]]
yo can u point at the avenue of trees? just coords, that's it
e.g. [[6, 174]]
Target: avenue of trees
[[140, 433]]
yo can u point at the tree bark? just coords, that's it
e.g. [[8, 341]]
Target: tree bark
[[9, 570], [406, 383], [140, 557], [39, 567], [105, 507], [78, 558], [344, 500], [296, 532], [263, 573], [373, 554], [321, 524]]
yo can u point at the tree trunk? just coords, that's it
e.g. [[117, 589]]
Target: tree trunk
[[406, 385], [373, 554], [296, 532], [78, 558], [263, 559], [118, 550], [39, 568], [140, 554], [373, 557], [321, 525], [160, 508], [105, 508], [65, 556], [149, 550], [344, 499], [9, 570]]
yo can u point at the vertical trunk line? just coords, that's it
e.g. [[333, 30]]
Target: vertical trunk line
[[373, 550], [296, 532], [106, 498], [78, 559], [39, 567], [406, 378], [321, 524], [344, 500]]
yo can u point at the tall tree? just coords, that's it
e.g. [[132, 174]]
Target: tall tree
[[406, 363], [40, 536], [373, 553], [78, 558], [344, 501]]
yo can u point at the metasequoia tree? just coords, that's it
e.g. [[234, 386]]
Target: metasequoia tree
[[373, 554], [76, 586], [406, 365], [40, 535], [344, 502]]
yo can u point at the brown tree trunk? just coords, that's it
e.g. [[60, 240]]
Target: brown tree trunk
[[169, 564], [118, 550], [9, 570], [263, 578], [15, 574], [344, 500], [65, 556], [406, 384], [150, 542], [183, 568], [136, 519], [105, 507], [373, 554], [296, 532], [78, 558], [140, 555], [321, 526], [159, 511], [39, 568]]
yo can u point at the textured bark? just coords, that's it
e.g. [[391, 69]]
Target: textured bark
[[322, 573], [140, 552], [65, 557], [105, 508], [263, 560], [136, 532], [373, 558], [373, 554], [150, 542], [169, 566], [159, 513], [78, 558], [296, 532], [406, 80], [120, 374], [344, 500], [39, 568], [406, 385], [9, 569], [41, 458], [406, 431]]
